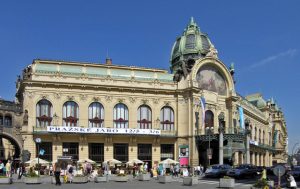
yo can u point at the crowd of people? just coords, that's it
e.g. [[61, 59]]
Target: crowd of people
[[69, 170]]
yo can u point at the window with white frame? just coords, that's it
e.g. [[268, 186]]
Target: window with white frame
[[167, 118], [96, 115], [70, 114], [43, 113], [144, 117], [120, 116]]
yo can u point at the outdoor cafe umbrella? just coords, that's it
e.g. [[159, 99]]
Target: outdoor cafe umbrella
[[86, 160], [36, 161], [112, 161], [169, 161], [134, 161]]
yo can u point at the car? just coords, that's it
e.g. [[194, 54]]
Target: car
[[243, 171], [295, 172], [217, 171]]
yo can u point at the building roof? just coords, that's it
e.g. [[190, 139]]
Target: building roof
[[101, 70]]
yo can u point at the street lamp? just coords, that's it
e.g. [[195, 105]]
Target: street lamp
[[209, 131], [38, 141]]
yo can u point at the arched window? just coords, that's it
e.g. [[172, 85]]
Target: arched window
[[96, 115], [209, 118], [70, 114], [43, 113], [120, 116], [1, 119], [144, 117], [167, 118], [7, 120]]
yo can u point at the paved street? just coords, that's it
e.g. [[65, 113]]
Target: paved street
[[204, 183]]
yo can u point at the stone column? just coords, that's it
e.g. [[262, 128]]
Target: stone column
[[247, 149], [253, 158], [221, 148], [257, 160], [221, 131], [247, 133]]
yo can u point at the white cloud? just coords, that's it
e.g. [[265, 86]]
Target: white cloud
[[270, 59]]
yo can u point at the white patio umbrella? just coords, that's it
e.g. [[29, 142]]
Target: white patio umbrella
[[112, 161], [86, 160], [134, 161], [36, 161], [169, 161]]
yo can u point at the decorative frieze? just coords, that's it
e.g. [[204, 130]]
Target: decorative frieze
[[57, 95], [144, 101], [108, 98], [83, 97], [131, 100], [155, 100], [70, 98]]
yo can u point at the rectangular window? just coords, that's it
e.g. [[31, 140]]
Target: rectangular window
[[121, 152], [45, 149], [71, 149], [96, 152], [145, 152], [166, 151]]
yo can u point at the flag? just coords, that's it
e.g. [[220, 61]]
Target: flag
[[202, 104], [241, 113]]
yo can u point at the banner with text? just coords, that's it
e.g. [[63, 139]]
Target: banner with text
[[94, 130]]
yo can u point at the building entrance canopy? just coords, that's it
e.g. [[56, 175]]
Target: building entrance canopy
[[94, 130]]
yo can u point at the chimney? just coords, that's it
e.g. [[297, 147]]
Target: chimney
[[108, 61]]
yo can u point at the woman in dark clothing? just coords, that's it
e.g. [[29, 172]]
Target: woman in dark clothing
[[57, 170]]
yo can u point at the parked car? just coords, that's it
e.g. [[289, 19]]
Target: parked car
[[217, 170], [295, 172], [242, 171]]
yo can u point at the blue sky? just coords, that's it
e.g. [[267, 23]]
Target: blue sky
[[260, 37]]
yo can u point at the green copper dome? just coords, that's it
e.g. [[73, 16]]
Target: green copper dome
[[191, 45]]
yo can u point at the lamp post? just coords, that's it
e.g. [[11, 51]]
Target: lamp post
[[247, 140], [221, 118], [38, 141], [209, 131]]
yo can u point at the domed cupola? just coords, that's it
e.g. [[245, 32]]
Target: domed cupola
[[190, 46]]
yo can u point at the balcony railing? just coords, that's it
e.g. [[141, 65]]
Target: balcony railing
[[170, 133]]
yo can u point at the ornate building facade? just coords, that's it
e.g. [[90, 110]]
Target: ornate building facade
[[193, 115]]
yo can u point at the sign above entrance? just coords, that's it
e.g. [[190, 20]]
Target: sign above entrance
[[55, 129]]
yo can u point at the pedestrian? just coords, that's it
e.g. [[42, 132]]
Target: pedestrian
[[57, 170], [146, 167], [21, 170], [50, 170], [177, 169], [201, 170], [8, 169], [1, 168]]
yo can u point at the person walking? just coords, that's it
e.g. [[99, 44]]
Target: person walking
[[21, 170], [57, 170], [8, 169], [1, 168]]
